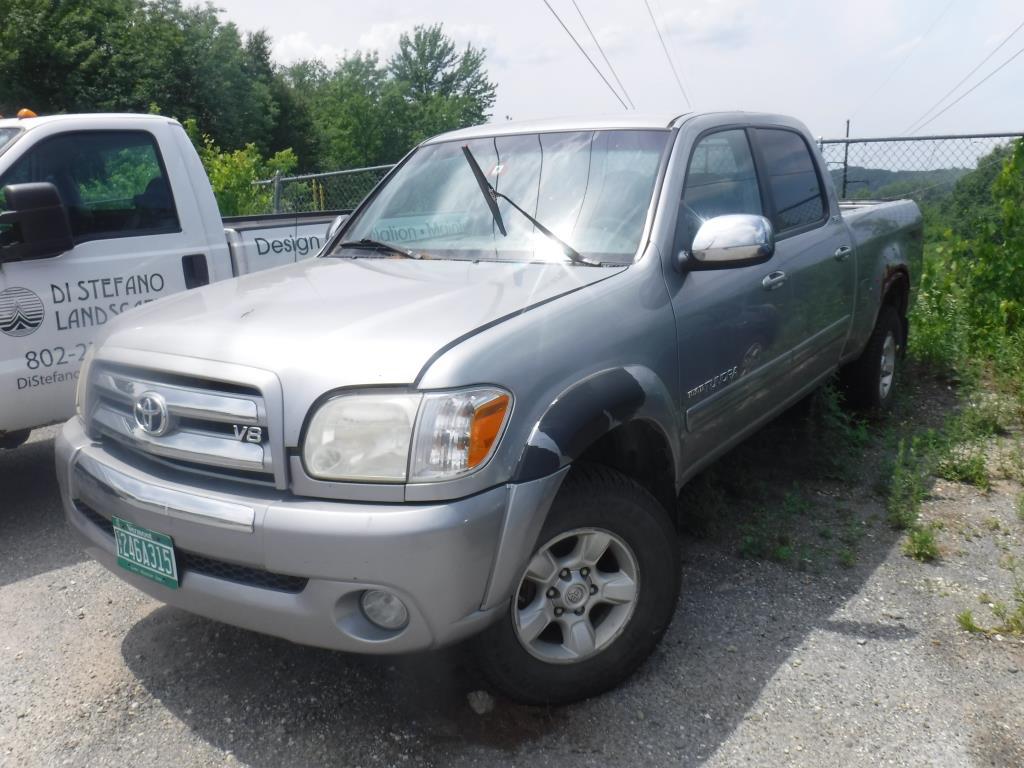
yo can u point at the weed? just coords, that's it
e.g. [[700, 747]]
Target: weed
[[1020, 507], [847, 557], [993, 524], [838, 435], [906, 488], [794, 504], [921, 544], [965, 464], [966, 621]]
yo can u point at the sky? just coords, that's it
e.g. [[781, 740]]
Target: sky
[[881, 63]]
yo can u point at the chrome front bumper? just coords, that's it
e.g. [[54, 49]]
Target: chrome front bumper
[[452, 563]]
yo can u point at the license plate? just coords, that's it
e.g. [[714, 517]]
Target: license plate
[[145, 552]]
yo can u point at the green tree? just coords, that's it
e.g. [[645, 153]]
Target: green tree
[[232, 173], [447, 88]]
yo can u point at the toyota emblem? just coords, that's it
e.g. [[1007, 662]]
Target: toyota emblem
[[151, 414]]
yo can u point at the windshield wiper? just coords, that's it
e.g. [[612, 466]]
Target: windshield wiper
[[491, 196], [367, 244]]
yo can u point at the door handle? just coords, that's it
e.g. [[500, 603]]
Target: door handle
[[195, 269], [773, 280], [843, 253]]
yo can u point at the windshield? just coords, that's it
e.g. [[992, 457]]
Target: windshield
[[591, 188], [7, 136]]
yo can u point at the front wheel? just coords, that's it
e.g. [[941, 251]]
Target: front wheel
[[595, 598], [870, 380]]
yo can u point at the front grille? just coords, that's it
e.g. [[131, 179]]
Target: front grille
[[205, 427], [190, 562]]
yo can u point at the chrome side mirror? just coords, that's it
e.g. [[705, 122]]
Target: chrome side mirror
[[734, 240], [336, 223]]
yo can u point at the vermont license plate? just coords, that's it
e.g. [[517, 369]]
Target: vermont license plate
[[145, 552]]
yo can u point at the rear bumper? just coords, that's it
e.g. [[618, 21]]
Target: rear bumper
[[295, 568]]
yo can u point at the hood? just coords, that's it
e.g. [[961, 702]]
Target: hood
[[327, 323]]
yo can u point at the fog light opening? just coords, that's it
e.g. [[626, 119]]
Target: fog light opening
[[384, 609]]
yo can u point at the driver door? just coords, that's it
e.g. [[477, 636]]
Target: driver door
[[732, 325], [128, 251]]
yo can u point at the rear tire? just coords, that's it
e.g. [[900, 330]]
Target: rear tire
[[870, 381], [595, 599]]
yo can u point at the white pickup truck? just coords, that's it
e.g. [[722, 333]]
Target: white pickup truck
[[99, 214]]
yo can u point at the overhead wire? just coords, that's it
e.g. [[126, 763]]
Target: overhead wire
[[915, 125], [913, 48], [603, 56], [668, 55], [586, 55], [969, 91]]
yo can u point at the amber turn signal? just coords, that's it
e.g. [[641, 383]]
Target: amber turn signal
[[487, 421]]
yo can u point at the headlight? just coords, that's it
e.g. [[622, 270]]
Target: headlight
[[399, 437], [361, 437], [83, 382]]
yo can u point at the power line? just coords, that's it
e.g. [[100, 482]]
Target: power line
[[969, 91], [894, 70], [586, 56], [668, 56], [967, 77], [603, 56]]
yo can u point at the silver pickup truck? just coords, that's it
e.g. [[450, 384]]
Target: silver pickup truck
[[473, 413]]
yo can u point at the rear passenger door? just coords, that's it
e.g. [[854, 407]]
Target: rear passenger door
[[129, 250], [812, 250]]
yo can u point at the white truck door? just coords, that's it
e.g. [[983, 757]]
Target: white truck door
[[135, 231]]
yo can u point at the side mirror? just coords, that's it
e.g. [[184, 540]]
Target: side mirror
[[336, 223], [36, 224], [725, 242]]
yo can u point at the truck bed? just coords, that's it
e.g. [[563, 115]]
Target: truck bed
[[269, 240]]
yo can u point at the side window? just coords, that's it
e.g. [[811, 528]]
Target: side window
[[113, 183], [720, 179], [792, 178]]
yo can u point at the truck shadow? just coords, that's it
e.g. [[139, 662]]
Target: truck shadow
[[740, 621], [31, 517]]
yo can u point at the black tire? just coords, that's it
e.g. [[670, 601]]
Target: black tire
[[862, 379], [11, 440], [599, 498]]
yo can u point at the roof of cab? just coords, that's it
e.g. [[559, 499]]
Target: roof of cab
[[622, 121], [34, 122]]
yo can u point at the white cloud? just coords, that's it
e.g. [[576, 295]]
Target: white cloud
[[718, 22], [295, 46]]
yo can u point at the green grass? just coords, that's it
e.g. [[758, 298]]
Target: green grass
[[906, 488], [1020, 507], [966, 621], [1009, 615], [965, 464], [921, 544]]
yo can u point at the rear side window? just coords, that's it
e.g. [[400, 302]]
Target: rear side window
[[720, 180], [113, 183], [792, 178]]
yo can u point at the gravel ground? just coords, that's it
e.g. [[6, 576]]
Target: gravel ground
[[766, 664]]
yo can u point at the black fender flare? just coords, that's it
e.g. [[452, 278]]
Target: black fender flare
[[588, 410]]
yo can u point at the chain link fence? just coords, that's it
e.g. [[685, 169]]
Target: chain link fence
[[922, 168], [885, 168], [331, 191]]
